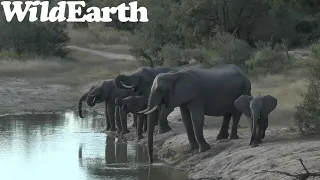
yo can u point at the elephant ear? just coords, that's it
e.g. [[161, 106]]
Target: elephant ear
[[269, 103], [243, 104]]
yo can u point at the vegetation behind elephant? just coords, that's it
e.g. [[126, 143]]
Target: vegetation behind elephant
[[134, 104], [258, 109], [199, 92], [107, 92]]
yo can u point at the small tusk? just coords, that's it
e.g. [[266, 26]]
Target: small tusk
[[151, 110], [143, 111], [126, 86], [94, 99]]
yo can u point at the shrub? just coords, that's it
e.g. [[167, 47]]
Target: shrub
[[267, 59], [42, 38], [307, 116], [171, 55], [230, 50]]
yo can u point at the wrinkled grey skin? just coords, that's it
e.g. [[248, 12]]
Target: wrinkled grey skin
[[258, 109], [107, 92], [134, 104], [199, 92], [141, 82]]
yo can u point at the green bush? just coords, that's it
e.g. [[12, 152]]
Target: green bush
[[307, 116], [230, 50], [268, 59]]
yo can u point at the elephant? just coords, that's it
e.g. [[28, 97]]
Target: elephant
[[134, 104], [141, 82], [107, 92], [258, 109], [199, 92]]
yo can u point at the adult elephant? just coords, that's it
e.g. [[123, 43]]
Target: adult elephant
[[141, 82], [107, 92], [199, 92]]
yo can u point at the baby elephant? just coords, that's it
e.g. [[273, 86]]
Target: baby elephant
[[258, 109], [134, 104]]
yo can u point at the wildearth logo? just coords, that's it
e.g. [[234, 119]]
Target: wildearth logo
[[58, 13]]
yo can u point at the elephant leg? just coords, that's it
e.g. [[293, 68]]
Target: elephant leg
[[118, 118], [145, 124], [186, 118], [124, 122], [141, 119], [107, 116], [223, 134], [163, 121], [111, 111], [197, 118], [235, 122], [134, 124]]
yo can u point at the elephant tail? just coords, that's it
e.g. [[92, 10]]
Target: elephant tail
[[80, 104], [246, 87]]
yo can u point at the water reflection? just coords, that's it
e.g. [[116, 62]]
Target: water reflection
[[46, 147]]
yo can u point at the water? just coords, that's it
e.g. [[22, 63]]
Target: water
[[46, 147]]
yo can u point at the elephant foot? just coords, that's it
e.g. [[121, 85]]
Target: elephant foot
[[204, 147], [193, 146], [113, 129], [108, 128], [125, 131], [119, 131], [222, 136], [133, 125], [140, 136], [234, 136], [145, 130], [164, 130]]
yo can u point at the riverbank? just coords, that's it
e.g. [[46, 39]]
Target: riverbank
[[36, 87]]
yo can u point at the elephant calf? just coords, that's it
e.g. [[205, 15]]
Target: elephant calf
[[258, 109], [134, 104]]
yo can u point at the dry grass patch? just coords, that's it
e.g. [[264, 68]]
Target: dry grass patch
[[288, 89], [97, 33]]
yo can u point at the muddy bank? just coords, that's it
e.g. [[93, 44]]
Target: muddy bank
[[235, 159]]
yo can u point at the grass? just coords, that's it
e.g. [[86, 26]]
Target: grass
[[97, 34], [78, 68]]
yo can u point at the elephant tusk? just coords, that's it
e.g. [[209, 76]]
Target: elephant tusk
[[126, 86], [94, 99], [143, 111], [151, 110]]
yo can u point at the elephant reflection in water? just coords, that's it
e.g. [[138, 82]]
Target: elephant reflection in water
[[115, 153], [109, 151], [141, 154]]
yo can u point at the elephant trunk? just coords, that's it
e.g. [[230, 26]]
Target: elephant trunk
[[150, 130], [254, 136], [121, 81], [80, 104]]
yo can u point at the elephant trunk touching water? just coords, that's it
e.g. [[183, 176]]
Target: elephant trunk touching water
[[83, 98]]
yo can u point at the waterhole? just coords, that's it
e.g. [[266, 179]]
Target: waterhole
[[45, 146]]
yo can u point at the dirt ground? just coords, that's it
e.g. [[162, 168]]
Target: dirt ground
[[227, 159]]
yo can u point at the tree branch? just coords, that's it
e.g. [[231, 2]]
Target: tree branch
[[299, 176]]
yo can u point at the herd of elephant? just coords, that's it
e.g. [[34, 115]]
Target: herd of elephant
[[152, 93]]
